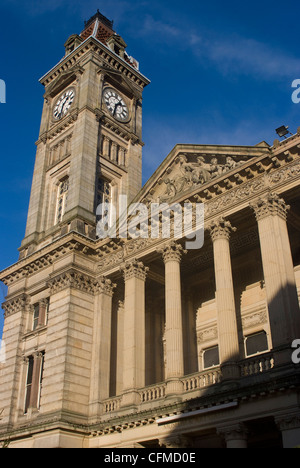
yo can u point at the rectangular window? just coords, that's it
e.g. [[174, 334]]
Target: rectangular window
[[211, 357], [29, 382], [62, 198], [41, 379], [36, 315], [103, 214], [35, 370], [256, 343]]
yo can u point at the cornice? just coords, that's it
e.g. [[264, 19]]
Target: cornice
[[272, 176], [112, 60], [46, 256]]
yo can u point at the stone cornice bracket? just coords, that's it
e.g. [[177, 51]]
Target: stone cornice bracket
[[105, 286], [221, 229], [16, 305], [172, 252], [72, 279], [270, 205], [179, 441], [288, 422], [236, 431], [134, 269]]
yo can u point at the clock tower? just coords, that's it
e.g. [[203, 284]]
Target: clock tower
[[89, 149]]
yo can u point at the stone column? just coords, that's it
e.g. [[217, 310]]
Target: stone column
[[235, 436], [227, 324], [43, 304], [134, 332], [101, 349], [121, 156], [114, 152], [283, 305], [105, 146], [120, 348], [172, 254]]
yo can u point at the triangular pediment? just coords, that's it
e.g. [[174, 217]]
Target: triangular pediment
[[62, 81], [192, 167], [116, 78]]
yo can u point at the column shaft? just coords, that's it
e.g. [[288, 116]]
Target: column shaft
[[174, 329], [227, 323], [283, 304], [101, 351], [134, 331]]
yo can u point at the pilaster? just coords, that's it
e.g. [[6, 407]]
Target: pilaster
[[101, 348], [134, 331]]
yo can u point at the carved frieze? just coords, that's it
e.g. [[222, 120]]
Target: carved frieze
[[195, 170]]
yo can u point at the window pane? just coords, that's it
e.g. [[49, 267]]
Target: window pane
[[29, 383], [256, 343], [36, 316], [211, 357]]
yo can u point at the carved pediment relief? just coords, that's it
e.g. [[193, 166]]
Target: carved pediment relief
[[62, 81], [191, 170], [116, 78]]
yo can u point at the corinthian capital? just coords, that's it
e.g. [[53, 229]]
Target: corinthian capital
[[221, 229], [105, 286], [172, 252], [134, 269], [270, 205]]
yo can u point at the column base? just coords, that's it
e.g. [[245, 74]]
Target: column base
[[174, 387], [131, 398], [230, 371], [282, 355]]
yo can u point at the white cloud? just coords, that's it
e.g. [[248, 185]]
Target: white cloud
[[230, 55]]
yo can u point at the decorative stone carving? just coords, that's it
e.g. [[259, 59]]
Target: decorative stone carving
[[15, 305], [288, 422], [172, 252], [270, 205], [73, 279], [134, 269], [105, 286], [196, 173], [178, 441], [236, 432], [221, 229], [207, 334]]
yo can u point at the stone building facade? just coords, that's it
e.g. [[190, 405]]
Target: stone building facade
[[142, 342]]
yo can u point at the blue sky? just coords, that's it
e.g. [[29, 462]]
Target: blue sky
[[221, 73]]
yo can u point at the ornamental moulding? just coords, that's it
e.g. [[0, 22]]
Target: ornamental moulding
[[80, 281], [270, 205], [15, 305], [134, 269]]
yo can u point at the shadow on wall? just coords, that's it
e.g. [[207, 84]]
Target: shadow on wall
[[241, 429]]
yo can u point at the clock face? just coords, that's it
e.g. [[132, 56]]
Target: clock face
[[116, 105], [63, 104]]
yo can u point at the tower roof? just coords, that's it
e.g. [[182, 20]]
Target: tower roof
[[99, 27]]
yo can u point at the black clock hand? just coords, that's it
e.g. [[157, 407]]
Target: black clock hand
[[116, 106]]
